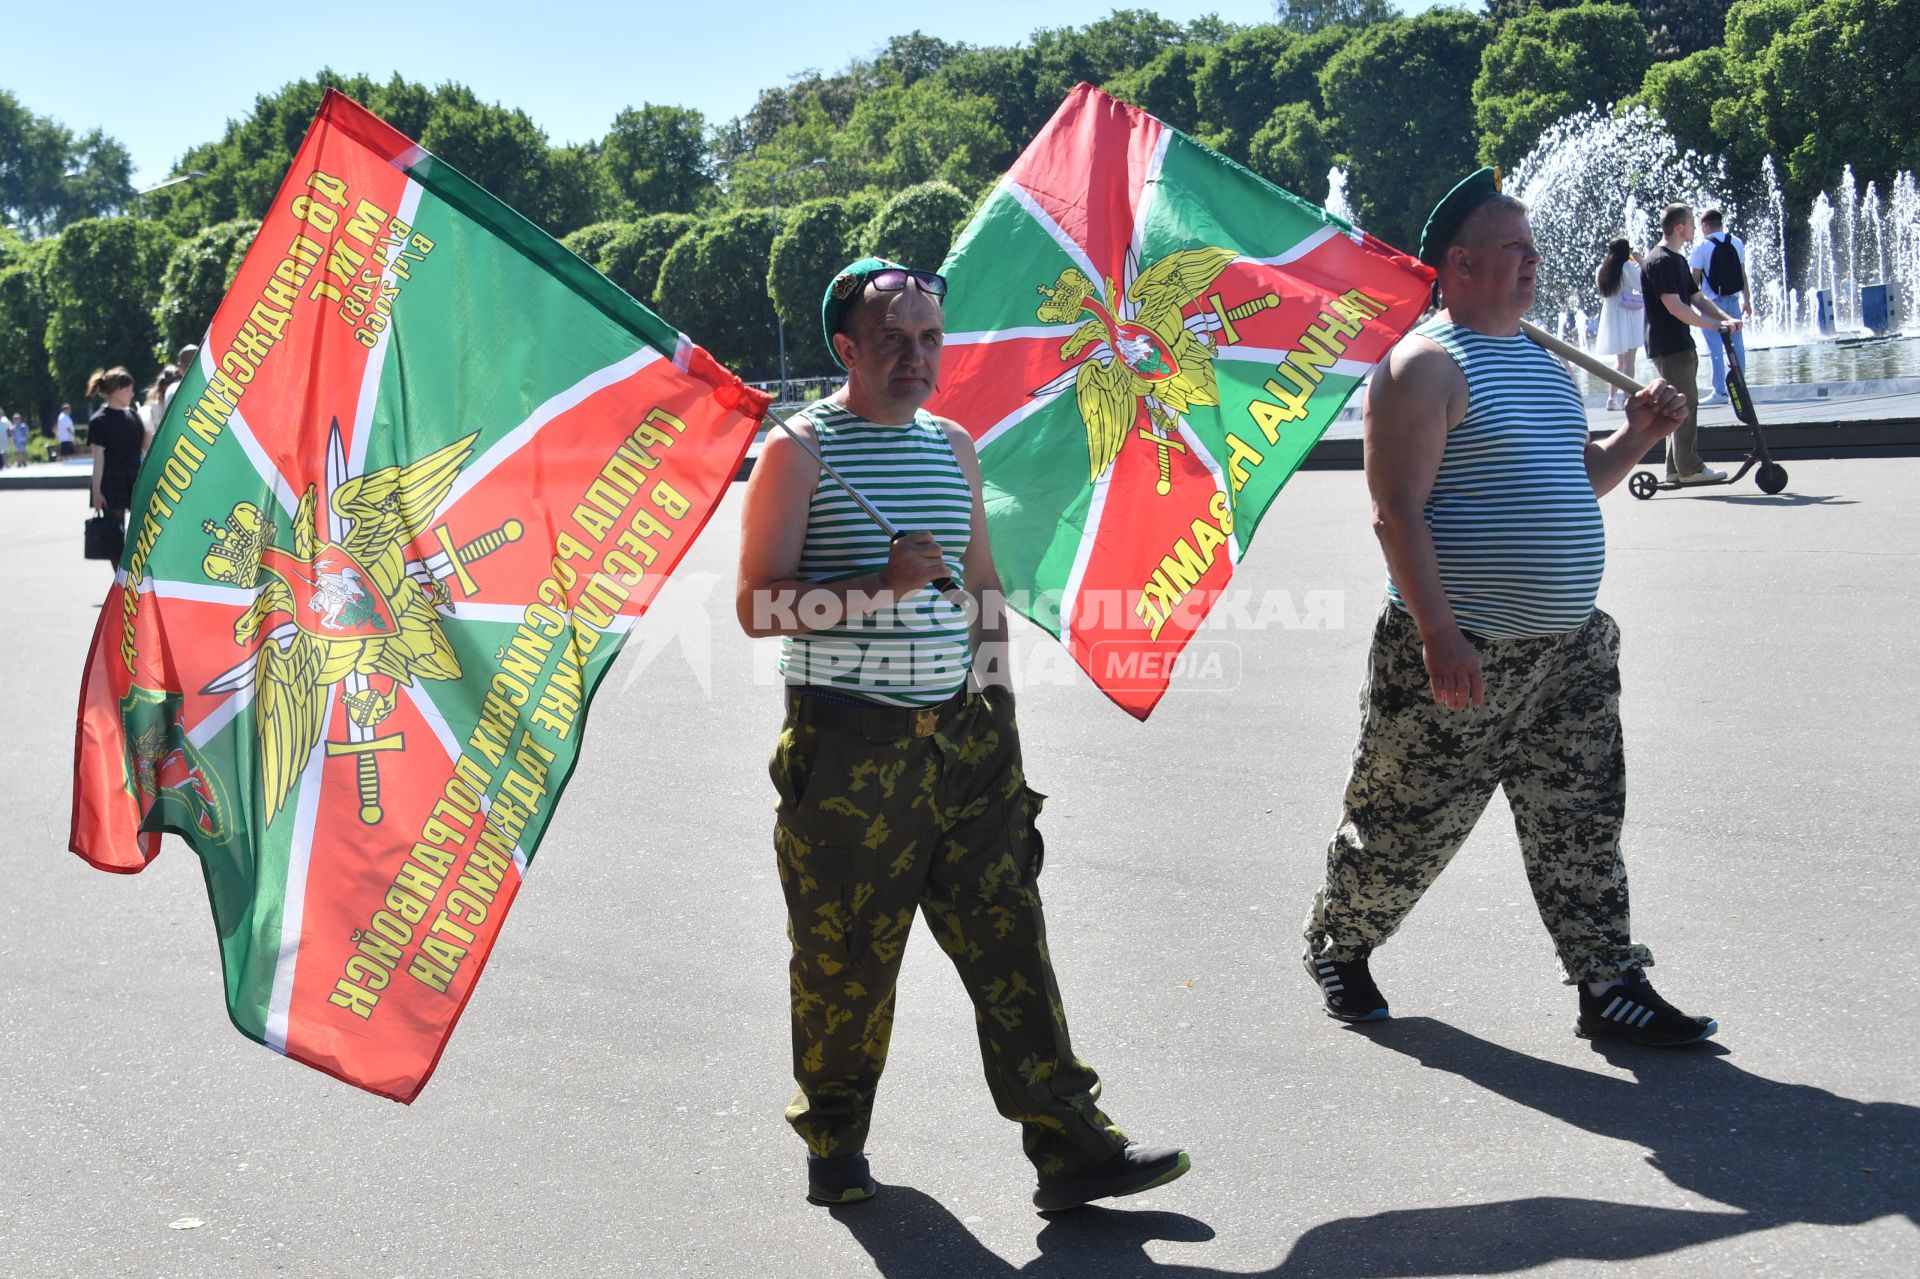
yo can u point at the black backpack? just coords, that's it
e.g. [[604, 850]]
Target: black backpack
[[1725, 274]]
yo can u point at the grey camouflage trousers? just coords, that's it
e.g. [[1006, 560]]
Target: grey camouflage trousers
[[1549, 735]]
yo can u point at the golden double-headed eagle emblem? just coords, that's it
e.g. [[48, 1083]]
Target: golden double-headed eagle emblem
[[1142, 350], [344, 605]]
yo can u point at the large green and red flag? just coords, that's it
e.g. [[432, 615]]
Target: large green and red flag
[[1144, 340], [428, 470]]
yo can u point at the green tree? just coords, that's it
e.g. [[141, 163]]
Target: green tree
[[713, 287], [917, 226], [1293, 150], [590, 241], [632, 258], [899, 137], [1308, 16], [197, 276], [243, 168], [812, 244], [1676, 28], [100, 279], [656, 157], [1401, 98], [1165, 86], [911, 58], [50, 177], [26, 384], [1834, 83], [1548, 63]]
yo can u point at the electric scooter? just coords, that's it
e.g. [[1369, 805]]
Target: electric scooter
[[1772, 476]]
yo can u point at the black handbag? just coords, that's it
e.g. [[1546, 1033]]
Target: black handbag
[[105, 538]]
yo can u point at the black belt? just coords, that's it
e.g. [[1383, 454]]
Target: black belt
[[830, 708]]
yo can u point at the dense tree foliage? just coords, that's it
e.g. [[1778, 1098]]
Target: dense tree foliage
[[26, 384], [195, 280], [1548, 63], [101, 278], [1400, 95], [657, 160], [893, 150], [816, 239], [50, 176], [1317, 15]]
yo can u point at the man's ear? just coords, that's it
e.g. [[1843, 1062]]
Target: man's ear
[[843, 346]]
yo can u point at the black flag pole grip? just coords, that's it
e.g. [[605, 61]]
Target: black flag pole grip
[[945, 585]]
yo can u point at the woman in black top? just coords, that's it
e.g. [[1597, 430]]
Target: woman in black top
[[117, 440]]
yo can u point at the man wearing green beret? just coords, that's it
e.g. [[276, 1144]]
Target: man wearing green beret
[[898, 768], [1490, 666]]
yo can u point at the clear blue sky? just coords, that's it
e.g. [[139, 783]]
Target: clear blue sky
[[161, 86]]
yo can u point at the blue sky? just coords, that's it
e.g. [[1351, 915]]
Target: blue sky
[[570, 65]]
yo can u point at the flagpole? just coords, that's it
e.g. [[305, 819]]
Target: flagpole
[[1605, 372], [945, 585]]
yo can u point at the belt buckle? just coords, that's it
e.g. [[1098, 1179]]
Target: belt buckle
[[924, 722]]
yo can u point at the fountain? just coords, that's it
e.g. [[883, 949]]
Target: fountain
[[1595, 171], [1598, 173], [1826, 271], [1846, 244], [1337, 195]]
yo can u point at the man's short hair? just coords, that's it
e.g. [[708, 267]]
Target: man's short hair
[[1675, 214], [1713, 219]]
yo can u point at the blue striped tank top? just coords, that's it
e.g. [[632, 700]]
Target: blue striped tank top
[[1514, 518], [916, 651]]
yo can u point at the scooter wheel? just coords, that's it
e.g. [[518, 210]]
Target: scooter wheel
[[1771, 477], [1642, 485]]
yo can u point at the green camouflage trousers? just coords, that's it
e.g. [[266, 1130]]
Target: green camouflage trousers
[[868, 830], [1549, 735]]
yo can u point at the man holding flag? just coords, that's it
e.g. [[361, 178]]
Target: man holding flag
[[900, 785], [1490, 664]]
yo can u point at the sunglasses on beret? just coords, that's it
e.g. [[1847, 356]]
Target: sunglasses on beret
[[894, 278]]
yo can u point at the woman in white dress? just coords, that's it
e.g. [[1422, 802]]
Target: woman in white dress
[[1623, 311]]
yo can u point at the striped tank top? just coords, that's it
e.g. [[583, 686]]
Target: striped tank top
[[916, 651], [1515, 522]]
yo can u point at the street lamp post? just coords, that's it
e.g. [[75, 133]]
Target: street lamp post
[[779, 321]]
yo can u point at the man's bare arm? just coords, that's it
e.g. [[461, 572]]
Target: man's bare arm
[[769, 596], [1415, 398], [1652, 415]]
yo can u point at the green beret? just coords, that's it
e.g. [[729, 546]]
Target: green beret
[[841, 293], [1469, 194]]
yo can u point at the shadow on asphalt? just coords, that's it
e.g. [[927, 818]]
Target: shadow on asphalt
[[1778, 499], [1775, 1153]]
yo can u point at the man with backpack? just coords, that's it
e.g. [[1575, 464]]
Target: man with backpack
[[1719, 263]]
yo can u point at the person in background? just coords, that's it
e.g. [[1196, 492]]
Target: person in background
[[1719, 265], [1676, 306], [22, 436], [154, 406], [6, 442], [117, 439], [183, 363], [63, 431], [1623, 311]]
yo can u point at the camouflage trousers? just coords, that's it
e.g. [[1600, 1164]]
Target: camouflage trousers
[[872, 825], [1549, 735]]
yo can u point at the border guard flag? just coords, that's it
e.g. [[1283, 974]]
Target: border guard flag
[[1145, 339], [428, 470]]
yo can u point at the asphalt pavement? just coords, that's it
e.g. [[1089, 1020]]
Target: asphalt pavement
[[611, 1102]]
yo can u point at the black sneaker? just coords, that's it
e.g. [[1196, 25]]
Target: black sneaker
[[843, 1179], [1132, 1169], [1634, 1013], [1348, 989]]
